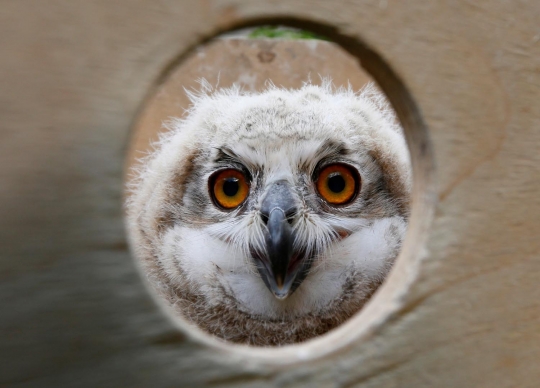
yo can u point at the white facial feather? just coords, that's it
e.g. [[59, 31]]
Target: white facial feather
[[368, 250], [198, 255]]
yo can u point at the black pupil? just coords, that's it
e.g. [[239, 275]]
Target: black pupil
[[336, 183], [231, 187]]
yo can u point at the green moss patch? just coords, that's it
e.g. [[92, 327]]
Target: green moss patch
[[283, 33]]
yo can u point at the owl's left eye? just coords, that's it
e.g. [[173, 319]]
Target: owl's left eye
[[229, 188], [338, 183]]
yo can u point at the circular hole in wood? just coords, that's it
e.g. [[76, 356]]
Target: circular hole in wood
[[265, 118]]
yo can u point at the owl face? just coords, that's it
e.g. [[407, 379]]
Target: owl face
[[279, 204]]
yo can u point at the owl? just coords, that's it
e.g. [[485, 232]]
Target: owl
[[270, 218]]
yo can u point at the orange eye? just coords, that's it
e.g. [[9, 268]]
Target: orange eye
[[338, 183], [229, 188]]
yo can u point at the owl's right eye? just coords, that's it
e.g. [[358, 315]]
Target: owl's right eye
[[229, 188]]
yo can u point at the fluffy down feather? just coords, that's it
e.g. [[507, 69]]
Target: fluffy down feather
[[197, 257]]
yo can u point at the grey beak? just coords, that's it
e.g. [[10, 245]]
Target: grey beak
[[279, 248], [278, 265]]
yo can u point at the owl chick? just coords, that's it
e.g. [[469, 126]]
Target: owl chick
[[271, 218]]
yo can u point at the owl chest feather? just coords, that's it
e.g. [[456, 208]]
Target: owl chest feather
[[225, 295]]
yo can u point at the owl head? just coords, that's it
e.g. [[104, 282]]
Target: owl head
[[271, 217]]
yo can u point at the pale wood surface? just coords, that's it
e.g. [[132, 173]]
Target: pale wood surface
[[462, 306], [248, 63]]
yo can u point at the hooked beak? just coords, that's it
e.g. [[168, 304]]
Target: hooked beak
[[281, 267]]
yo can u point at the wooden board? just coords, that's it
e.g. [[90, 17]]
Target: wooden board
[[462, 305]]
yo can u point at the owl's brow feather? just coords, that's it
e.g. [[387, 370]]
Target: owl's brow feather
[[334, 147], [225, 154]]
